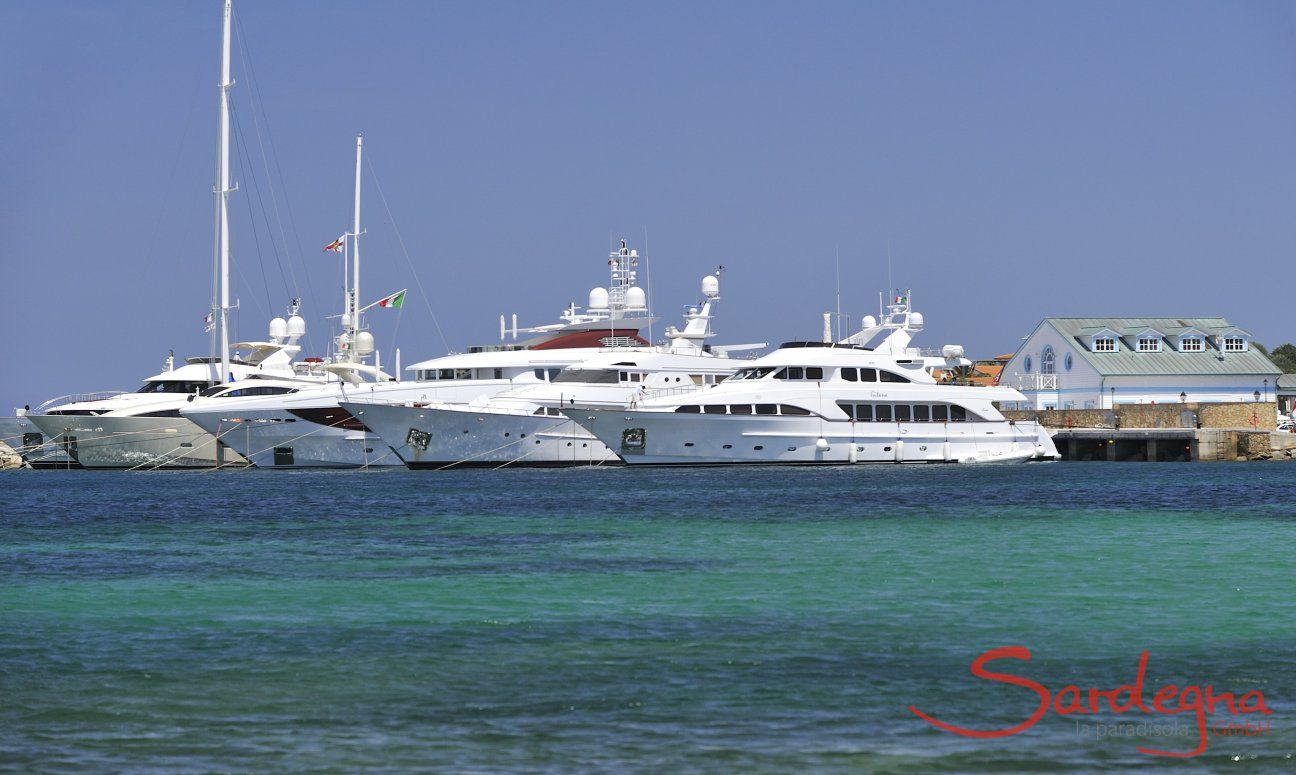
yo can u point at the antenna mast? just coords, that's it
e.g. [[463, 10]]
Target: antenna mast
[[355, 249]]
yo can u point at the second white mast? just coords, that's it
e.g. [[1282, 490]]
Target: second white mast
[[355, 244], [223, 191]]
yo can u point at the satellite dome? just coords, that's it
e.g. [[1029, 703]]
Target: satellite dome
[[636, 298], [598, 298], [364, 343], [915, 320], [869, 321], [278, 329], [296, 326], [710, 286]]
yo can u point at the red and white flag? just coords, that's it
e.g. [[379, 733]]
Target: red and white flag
[[336, 245]]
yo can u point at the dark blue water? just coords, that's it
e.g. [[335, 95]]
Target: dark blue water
[[716, 620]]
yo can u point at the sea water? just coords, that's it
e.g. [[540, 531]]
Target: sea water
[[673, 620]]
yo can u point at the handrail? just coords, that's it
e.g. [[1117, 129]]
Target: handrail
[[76, 398]]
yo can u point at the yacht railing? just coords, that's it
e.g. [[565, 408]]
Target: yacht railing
[[672, 391], [76, 398]]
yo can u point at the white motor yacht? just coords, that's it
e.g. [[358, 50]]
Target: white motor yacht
[[829, 403], [524, 426], [311, 429]]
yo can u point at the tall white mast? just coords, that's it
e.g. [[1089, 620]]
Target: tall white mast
[[222, 193], [355, 246]]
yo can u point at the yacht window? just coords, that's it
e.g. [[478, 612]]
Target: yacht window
[[766, 409], [499, 374], [540, 411], [868, 375], [740, 409], [688, 409], [814, 372], [592, 376], [922, 413], [636, 377], [714, 408], [553, 374], [260, 390], [174, 386], [539, 374], [850, 375], [902, 412], [789, 409], [623, 376], [795, 372], [957, 413], [463, 373], [940, 413], [864, 412], [848, 408], [445, 374], [883, 412], [888, 376]]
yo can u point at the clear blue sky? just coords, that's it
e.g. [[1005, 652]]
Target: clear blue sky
[[1022, 160]]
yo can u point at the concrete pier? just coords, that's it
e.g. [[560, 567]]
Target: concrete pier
[[1167, 445]]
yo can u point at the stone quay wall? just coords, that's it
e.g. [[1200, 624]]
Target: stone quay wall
[[1250, 415]]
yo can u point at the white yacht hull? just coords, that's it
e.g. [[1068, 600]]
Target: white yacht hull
[[276, 438], [35, 448], [669, 438], [458, 438], [145, 443]]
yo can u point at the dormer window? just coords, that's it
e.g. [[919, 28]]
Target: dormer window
[[1191, 344], [1234, 344], [1149, 344], [1104, 344]]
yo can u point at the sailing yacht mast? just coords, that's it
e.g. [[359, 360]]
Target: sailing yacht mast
[[222, 195], [355, 251]]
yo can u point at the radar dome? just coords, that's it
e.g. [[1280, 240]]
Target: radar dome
[[952, 351], [364, 343], [710, 286], [598, 298], [915, 320], [346, 320], [869, 321], [636, 298], [296, 326], [278, 329]]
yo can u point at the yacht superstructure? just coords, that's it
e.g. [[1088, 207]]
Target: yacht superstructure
[[311, 428], [829, 403], [523, 426]]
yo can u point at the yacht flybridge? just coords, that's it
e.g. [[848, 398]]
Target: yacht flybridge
[[523, 426], [828, 403], [310, 428]]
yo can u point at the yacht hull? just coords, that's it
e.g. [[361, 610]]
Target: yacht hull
[[145, 443], [36, 449], [669, 438], [277, 438], [454, 437]]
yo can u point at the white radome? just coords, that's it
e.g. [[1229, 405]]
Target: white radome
[[710, 286], [598, 298], [296, 326], [636, 299], [364, 343]]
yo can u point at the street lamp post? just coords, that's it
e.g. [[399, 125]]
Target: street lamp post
[[1183, 397], [1266, 390], [1256, 394], [1113, 398]]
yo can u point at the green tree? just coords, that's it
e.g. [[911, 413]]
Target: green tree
[[1284, 357]]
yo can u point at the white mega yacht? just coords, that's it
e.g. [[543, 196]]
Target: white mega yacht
[[310, 428], [144, 428], [524, 426], [829, 403]]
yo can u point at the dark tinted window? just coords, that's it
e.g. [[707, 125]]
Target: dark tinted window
[[789, 409], [714, 408], [883, 412], [539, 374], [902, 413], [173, 386], [849, 409], [850, 375], [766, 409], [922, 413], [814, 372], [795, 372], [781, 374], [891, 377], [940, 413], [957, 413], [590, 376], [868, 375], [864, 412], [689, 408], [740, 409]]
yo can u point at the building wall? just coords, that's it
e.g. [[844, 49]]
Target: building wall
[[1247, 415]]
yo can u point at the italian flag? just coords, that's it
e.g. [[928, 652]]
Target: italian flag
[[393, 301]]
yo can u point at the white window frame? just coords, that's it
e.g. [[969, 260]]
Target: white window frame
[[1192, 344], [1104, 344], [1235, 344], [1147, 344]]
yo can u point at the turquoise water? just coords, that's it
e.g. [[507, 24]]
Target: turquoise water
[[712, 620]]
